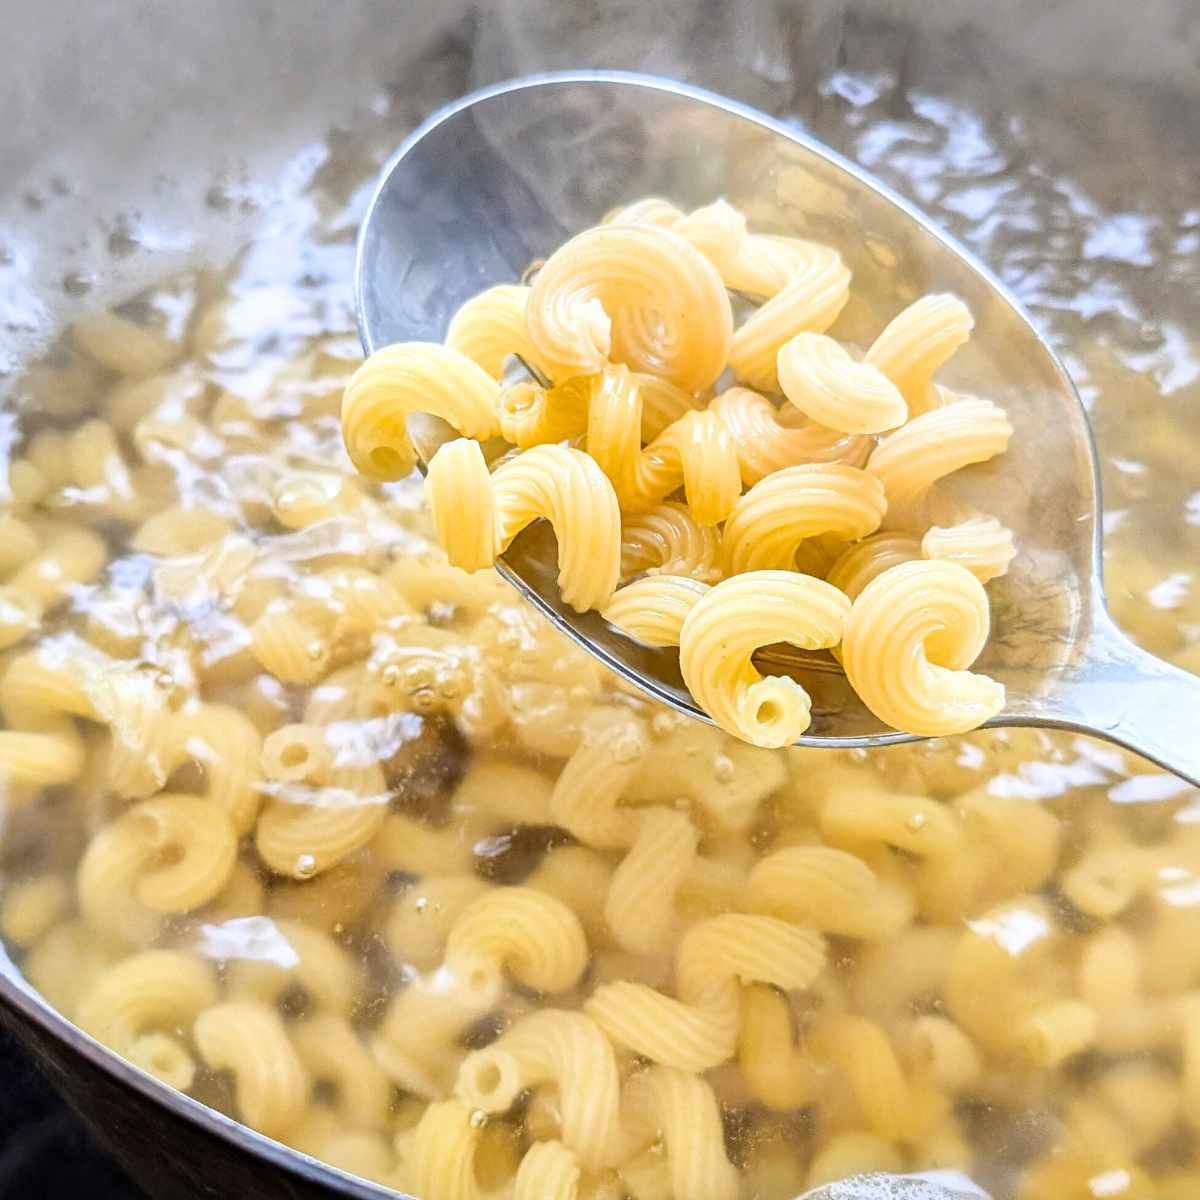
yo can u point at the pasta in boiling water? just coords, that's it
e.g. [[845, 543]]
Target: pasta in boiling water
[[305, 820]]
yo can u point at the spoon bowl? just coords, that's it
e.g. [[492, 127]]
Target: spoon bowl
[[491, 184]]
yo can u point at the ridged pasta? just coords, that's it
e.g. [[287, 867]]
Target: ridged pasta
[[566, 1049], [733, 620], [668, 540], [910, 636], [138, 1006], [934, 445], [403, 379], [697, 1029], [531, 415], [818, 377], [439, 1155], [767, 439], [828, 890], [591, 297], [477, 514], [863, 1052], [778, 1072], [421, 919], [490, 327], [307, 830], [981, 544], [805, 286], [334, 1055], [681, 1109], [32, 907], [917, 342], [652, 610], [530, 935], [640, 909], [548, 1171], [696, 452], [776, 515], [857, 565], [866, 817], [270, 1083], [226, 744], [169, 854]]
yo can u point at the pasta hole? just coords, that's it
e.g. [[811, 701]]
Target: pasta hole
[[487, 1079], [767, 713], [170, 855], [295, 755], [387, 461]]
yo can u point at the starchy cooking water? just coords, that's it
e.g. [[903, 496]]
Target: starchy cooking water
[[310, 825]]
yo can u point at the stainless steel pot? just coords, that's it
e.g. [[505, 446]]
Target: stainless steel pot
[[139, 136]]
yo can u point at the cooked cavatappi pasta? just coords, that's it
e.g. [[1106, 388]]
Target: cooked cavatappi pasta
[[630, 448], [347, 842]]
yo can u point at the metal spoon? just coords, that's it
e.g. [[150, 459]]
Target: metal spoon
[[491, 184]]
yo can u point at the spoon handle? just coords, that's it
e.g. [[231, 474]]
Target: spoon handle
[[1126, 695]]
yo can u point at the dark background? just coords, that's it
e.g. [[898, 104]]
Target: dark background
[[46, 1153]]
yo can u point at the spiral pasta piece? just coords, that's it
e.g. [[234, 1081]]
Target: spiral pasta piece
[[668, 540], [698, 1028], [490, 328], [682, 1109], [640, 908], [857, 565], [695, 451], [981, 544], [412, 377], [768, 439], [271, 1085], [590, 301], [769, 523], [936, 444], [308, 829], [806, 285], [917, 342], [594, 779], [568, 1050], [531, 415], [138, 1006], [718, 630], [779, 1073], [548, 1171], [477, 514], [169, 854], [819, 378], [829, 890], [910, 637]]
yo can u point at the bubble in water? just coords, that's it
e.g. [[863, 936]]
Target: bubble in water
[[478, 1118], [661, 724], [421, 903], [723, 768], [77, 283], [315, 650], [390, 675], [626, 750], [122, 241], [164, 680], [450, 683], [218, 197], [306, 866], [916, 822]]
